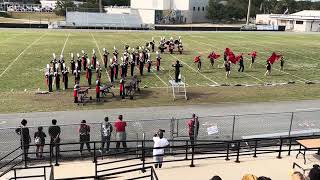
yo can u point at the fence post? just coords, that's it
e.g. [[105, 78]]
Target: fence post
[[290, 142], [255, 148], [192, 155], [238, 152], [228, 149], [143, 157], [290, 127], [57, 161], [50, 151], [280, 149], [15, 174], [233, 126], [171, 132], [94, 153], [187, 146]]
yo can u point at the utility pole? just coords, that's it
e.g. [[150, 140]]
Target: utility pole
[[248, 14]]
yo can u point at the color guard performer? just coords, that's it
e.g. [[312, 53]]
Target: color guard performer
[[253, 58], [177, 67], [105, 58], [241, 64], [227, 65], [197, 60], [268, 66], [158, 60], [281, 63]]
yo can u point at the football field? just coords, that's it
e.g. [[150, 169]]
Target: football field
[[25, 53]]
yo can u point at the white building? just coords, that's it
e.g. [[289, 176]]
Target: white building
[[303, 21]]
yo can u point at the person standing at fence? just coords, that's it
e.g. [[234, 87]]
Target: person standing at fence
[[84, 134], [106, 130], [121, 136], [54, 133], [25, 138], [193, 128], [39, 140], [158, 148]]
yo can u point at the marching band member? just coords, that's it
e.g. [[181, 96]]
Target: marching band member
[[76, 74], [136, 55], [132, 63], [171, 46], [54, 62], [115, 52], [227, 65], [98, 71], [141, 63], [98, 90], [122, 66], [241, 64], [177, 67], [116, 66], [76, 89], [122, 89], [65, 78], [105, 58], [84, 60], [49, 77], [57, 80], [180, 47], [94, 59], [89, 73], [72, 63], [61, 62], [112, 71], [152, 43], [79, 62], [158, 60], [149, 62]]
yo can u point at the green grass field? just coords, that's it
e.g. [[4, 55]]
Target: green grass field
[[25, 53]]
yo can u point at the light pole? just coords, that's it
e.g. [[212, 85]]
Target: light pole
[[248, 14]]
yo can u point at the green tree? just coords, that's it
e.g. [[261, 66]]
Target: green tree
[[62, 6], [216, 11]]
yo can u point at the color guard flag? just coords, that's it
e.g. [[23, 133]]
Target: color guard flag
[[213, 56], [253, 54], [196, 59], [274, 57]]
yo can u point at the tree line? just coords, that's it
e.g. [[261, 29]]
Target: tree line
[[235, 10]]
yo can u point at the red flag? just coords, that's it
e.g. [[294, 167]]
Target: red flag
[[274, 57], [227, 51], [253, 54], [213, 56], [196, 59], [232, 58]]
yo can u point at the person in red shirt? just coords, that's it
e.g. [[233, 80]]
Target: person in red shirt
[[120, 127], [193, 128]]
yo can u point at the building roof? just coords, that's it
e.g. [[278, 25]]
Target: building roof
[[307, 13]]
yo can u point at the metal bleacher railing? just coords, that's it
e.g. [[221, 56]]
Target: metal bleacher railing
[[253, 133]]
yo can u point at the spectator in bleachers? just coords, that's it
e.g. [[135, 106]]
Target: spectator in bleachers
[[54, 133], [159, 142], [298, 176], [216, 178], [249, 177], [193, 128], [314, 173], [84, 134], [106, 131], [263, 178], [25, 138], [39, 140], [121, 136]]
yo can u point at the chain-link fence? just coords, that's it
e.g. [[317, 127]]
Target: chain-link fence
[[229, 127]]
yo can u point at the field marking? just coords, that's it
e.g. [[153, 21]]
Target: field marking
[[262, 64], [16, 59], [65, 44], [307, 109], [151, 70], [100, 55], [222, 49]]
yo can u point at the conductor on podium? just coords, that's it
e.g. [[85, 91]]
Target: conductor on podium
[[177, 67]]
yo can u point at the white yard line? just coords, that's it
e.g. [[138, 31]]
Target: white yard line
[[100, 55], [272, 67], [217, 48], [65, 44], [17, 58]]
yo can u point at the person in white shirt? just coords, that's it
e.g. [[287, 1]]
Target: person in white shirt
[[158, 153]]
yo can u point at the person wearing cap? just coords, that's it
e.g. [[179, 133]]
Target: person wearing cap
[[111, 71], [61, 62], [84, 135], [65, 78], [132, 63], [158, 148], [141, 63], [72, 63], [89, 73]]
